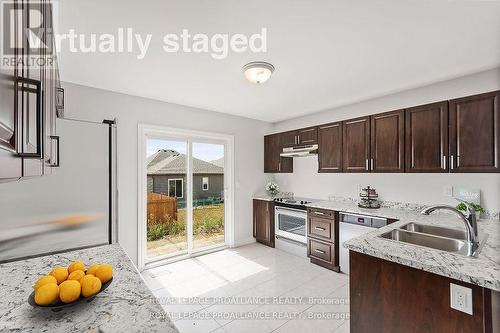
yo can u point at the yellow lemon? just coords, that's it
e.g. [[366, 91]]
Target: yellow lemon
[[88, 276], [60, 273], [90, 286], [46, 294], [104, 273], [76, 266], [44, 280], [76, 275], [69, 291], [92, 268]]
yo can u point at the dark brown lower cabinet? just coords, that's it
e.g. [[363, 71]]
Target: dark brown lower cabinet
[[391, 298], [263, 222], [323, 238]]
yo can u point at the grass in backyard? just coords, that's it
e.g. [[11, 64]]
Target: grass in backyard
[[206, 220]]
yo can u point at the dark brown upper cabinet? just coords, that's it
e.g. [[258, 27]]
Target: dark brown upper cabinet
[[356, 145], [273, 162], [427, 138], [474, 137], [330, 147], [387, 142], [288, 139], [305, 136]]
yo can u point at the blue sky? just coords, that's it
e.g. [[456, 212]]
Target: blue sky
[[203, 151]]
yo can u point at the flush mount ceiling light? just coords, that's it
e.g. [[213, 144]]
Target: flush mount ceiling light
[[258, 71]]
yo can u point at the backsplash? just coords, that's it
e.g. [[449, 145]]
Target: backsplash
[[407, 206], [423, 189]]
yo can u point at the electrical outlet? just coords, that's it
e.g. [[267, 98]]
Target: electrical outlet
[[448, 191], [461, 298]]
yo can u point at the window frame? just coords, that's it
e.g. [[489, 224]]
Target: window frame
[[203, 183], [175, 185]]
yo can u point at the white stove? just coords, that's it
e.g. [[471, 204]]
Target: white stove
[[290, 224]]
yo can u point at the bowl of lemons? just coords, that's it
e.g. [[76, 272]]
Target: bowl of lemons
[[65, 286]]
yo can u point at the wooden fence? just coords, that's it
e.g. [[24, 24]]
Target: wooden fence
[[159, 206]]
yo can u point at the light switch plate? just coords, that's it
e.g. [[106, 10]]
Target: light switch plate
[[461, 298], [448, 191]]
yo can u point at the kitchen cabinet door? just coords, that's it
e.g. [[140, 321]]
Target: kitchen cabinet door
[[356, 145], [273, 162], [289, 139], [330, 148], [426, 131], [307, 136], [10, 163], [263, 222], [30, 98], [474, 133], [389, 297], [387, 142]]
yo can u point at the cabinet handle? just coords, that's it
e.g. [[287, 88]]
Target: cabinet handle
[[319, 251], [452, 163], [26, 85], [254, 226], [367, 167], [444, 162], [279, 166], [319, 228], [371, 161], [319, 213], [56, 164]]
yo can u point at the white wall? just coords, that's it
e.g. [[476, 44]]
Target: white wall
[[413, 188], [95, 104]]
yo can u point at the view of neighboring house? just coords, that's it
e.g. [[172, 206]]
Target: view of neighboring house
[[166, 174], [218, 162]]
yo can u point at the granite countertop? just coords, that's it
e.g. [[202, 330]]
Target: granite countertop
[[483, 271], [263, 197], [127, 305]]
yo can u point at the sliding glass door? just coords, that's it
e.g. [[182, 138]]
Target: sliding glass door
[[166, 166], [186, 189], [208, 194]]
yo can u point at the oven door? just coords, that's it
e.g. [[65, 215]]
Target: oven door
[[290, 223]]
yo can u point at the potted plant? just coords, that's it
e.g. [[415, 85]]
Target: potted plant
[[272, 188], [477, 207]]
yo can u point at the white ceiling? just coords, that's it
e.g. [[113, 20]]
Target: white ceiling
[[326, 53]]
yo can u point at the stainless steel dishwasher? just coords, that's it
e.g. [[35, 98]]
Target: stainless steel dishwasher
[[352, 226]]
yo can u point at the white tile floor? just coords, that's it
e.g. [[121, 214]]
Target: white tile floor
[[252, 288]]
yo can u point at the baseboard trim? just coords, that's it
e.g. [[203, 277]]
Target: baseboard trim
[[242, 242]]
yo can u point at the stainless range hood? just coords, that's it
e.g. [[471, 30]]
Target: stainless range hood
[[300, 151]]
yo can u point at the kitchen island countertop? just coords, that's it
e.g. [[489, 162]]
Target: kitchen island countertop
[[127, 305]]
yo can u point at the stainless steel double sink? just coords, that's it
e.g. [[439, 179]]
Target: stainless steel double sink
[[439, 238]]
